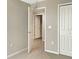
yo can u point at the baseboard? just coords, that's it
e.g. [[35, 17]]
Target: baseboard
[[52, 52], [38, 38], [17, 52], [66, 53]]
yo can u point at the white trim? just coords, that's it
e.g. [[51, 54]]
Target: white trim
[[28, 28], [52, 52], [41, 8], [58, 38], [39, 14], [66, 53], [17, 52], [45, 28], [70, 3]]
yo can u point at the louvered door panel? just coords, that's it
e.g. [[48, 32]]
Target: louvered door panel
[[66, 30]]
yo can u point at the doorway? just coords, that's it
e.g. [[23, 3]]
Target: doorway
[[37, 20], [38, 41], [38, 27]]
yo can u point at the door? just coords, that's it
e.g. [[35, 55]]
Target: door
[[30, 29], [66, 30]]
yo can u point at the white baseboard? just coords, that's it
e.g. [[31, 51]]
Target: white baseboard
[[52, 52], [66, 53], [17, 52]]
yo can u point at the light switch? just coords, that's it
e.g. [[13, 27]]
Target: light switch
[[49, 27]]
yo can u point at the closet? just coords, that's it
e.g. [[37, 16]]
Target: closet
[[65, 29]]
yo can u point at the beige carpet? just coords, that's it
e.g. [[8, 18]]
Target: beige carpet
[[38, 53]]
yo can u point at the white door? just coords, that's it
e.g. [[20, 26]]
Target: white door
[[30, 29], [66, 30]]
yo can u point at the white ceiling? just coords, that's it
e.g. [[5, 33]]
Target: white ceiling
[[32, 1]]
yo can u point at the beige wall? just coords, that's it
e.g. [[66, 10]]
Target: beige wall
[[17, 23], [51, 19]]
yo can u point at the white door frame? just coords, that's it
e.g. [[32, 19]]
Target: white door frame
[[59, 5], [43, 14], [42, 17]]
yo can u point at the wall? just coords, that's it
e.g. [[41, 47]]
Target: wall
[[17, 24], [51, 19]]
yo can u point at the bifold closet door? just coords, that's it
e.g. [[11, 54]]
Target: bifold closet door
[[66, 30]]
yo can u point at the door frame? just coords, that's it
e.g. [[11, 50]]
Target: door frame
[[42, 21], [43, 14], [58, 13]]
